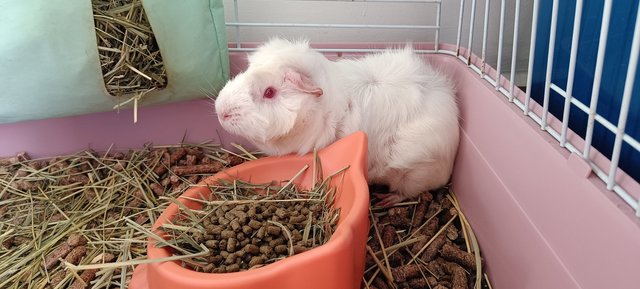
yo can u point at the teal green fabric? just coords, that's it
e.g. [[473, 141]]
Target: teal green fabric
[[49, 65]]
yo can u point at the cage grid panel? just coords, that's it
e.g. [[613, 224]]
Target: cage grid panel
[[602, 47]]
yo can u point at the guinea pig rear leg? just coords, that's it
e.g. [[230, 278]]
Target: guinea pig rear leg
[[405, 184], [389, 199]]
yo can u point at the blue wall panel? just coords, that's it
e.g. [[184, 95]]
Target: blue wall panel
[[614, 73]]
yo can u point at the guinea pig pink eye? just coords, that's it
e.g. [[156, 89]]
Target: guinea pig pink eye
[[270, 92]]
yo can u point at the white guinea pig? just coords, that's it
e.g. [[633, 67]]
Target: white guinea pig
[[291, 99]]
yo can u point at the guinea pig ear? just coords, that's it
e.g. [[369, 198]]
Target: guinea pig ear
[[302, 83]]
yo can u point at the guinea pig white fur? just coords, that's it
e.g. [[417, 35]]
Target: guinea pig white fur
[[291, 99]]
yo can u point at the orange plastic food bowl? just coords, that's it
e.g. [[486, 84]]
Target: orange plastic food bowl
[[338, 264]]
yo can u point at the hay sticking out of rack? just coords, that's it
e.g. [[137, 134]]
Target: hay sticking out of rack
[[426, 243], [87, 209], [130, 58], [246, 225]]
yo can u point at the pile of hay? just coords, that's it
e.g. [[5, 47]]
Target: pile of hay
[[129, 55]]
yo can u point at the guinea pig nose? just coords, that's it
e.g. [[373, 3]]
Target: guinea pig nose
[[227, 114]]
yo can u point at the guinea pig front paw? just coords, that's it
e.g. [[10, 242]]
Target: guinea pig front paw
[[388, 200]]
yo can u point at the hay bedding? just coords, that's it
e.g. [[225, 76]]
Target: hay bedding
[[91, 208], [423, 243], [62, 219], [130, 58]]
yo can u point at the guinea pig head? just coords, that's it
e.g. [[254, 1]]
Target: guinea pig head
[[266, 104]]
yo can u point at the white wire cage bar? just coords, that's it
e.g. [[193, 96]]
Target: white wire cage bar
[[467, 26]]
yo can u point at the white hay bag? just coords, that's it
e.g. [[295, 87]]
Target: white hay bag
[[49, 65]]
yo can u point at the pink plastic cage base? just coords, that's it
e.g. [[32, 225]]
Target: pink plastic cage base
[[542, 219]]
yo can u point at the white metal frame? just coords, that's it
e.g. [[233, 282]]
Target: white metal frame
[[607, 175]]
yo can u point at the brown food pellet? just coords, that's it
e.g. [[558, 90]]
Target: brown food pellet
[[231, 245], [57, 217], [27, 186], [452, 253], [428, 231], [76, 255], [401, 274], [435, 267], [418, 217], [215, 259], [53, 258], [296, 235], [8, 243], [257, 260], [380, 283], [177, 155], [85, 278], [231, 259], [195, 151], [233, 159], [433, 208], [198, 169], [316, 208], [74, 179], [57, 278], [208, 268], [458, 275], [247, 230], [162, 166], [298, 219], [226, 234], [255, 224], [230, 216], [452, 233], [276, 242], [175, 180], [252, 249], [432, 281], [418, 283], [388, 235], [233, 268], [297, 249], [281, 213], [88, 275], [266, 250], [191, 160], [273, 230], [431, 251], [281, 249], [398, 216], [157, 189], [165, 182], [219, 212], [211, 243], [235, 225]]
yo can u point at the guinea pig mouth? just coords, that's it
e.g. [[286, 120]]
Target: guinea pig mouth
[[250, 127]]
